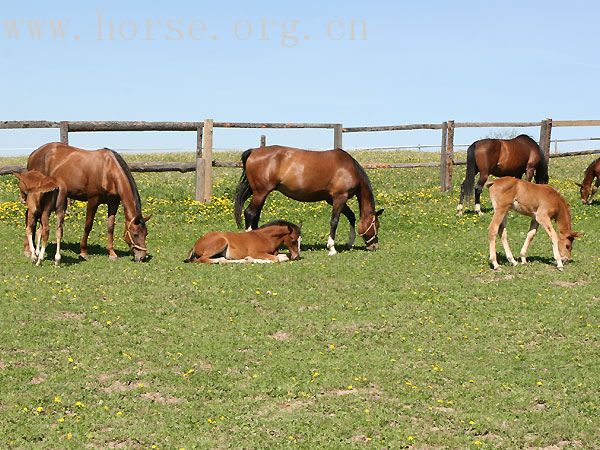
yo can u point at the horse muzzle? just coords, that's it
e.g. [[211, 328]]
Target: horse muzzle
[[140, 256], [372, 247]]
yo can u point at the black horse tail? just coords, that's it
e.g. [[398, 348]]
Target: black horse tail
[[541, 171], [467, 187], [243, 191]]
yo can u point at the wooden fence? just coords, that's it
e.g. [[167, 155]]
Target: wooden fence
[[204, 142]]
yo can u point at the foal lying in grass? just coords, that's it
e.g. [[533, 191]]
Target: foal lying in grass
[[258, 245], [539, 201], [42, 195]]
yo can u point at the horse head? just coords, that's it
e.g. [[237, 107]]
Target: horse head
[[565, 244], [368, 227], [135, 236], [292, 240], [587, 191]]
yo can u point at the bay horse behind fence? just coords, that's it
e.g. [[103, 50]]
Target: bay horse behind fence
[[501, 157], [309, 176], [42, 195], [258, 245], [543, 204], [98, 177], [588, 188]]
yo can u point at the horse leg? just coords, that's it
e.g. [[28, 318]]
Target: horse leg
[[529, 171], [60, 218], [252, 212], [110, 237], [478, 189], [92, 207], [495, 224], [545, 221], [29, 232], [45, 233], [352, 220], [28, 249], [337, 206], [504, 238], [533, 226]]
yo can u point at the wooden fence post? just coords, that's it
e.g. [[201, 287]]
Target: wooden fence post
[[443, 156], [207, 157], [337, 135], [199, 165], [545, 137], [449, 156], [263, 140], [64, 132]]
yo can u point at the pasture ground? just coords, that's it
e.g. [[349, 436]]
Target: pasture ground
[[417, 345]]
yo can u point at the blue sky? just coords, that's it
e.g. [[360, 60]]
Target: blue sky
[[244, 61]]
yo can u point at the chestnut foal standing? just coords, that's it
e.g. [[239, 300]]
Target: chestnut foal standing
[[42, 195], [539, 201]]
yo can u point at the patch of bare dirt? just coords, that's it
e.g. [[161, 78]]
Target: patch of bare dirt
[[157, 397], [569, 284], [39, 379], [68, 315], [281, 336]]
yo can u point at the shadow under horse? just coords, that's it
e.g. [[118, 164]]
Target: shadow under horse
[[308, 176], [501, 157], [97, 177]]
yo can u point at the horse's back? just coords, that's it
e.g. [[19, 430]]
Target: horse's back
[[507, 157], [84, 172], [303, 175]]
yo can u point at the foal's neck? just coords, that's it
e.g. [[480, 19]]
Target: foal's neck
[[563, 219]]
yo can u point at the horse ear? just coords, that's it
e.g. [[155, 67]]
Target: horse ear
[[576, 234], [300, 227], [147, 218], [378, 213], [578, 184], [47, 184]]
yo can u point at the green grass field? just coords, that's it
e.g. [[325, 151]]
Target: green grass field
[[417, 345]]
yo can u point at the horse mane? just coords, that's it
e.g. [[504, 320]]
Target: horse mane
[[364, 179], [280, 222], [131, 180]]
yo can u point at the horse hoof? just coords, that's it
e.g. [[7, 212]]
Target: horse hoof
[[561, 268], [514, 262], [282, 257], [112, 257], [332, 252], [83, 256]]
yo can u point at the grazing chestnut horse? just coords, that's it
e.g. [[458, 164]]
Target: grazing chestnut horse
[[308, 176], [543, 204], [586, 190], [99, 176], [258, 245], [501, 157], [42, 195]]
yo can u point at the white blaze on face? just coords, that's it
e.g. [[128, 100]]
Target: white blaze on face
[[299, 243]]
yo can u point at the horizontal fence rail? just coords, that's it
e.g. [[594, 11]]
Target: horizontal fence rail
[[204, 143]]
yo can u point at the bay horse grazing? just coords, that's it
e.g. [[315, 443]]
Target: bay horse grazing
[[586, 189], [42, 195], [543, 204], [258, 245], [98, 177], [501, 157], [308, 176]]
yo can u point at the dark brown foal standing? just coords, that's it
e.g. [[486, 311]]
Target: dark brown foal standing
[[309, 176], [98, 176], [501, 157]]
